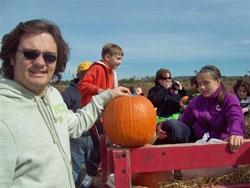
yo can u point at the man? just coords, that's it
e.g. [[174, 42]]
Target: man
[[35, 124], [81, 147]]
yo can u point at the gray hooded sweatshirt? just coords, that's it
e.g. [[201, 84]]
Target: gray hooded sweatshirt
[[34, 136]]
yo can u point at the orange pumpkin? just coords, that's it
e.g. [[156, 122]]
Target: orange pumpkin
[[129, 121], [184, 100], [147, 145], [152, 179]]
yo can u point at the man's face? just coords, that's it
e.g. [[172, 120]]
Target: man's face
[[113, 60], [35, 73]]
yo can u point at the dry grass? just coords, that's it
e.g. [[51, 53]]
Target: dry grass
[[240, 175]]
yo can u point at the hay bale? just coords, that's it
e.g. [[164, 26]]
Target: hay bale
[[240, 175], [206, 172]]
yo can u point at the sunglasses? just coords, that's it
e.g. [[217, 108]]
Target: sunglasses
[[168, 78], [32, 55]]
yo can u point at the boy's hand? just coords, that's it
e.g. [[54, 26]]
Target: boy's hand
[[120, 91]]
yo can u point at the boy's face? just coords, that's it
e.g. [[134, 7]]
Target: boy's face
[[138, 91], [113, 60]]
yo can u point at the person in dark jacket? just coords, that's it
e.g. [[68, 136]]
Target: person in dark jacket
[[166, 94], [81, 147]]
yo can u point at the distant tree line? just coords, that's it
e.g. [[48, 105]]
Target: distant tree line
[[150, 79]]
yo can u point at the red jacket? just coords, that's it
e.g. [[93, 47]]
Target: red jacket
[[99, 75]]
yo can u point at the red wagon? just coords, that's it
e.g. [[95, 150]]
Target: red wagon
[[125, 161]]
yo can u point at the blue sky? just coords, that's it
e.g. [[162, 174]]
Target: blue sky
[[179, 35]]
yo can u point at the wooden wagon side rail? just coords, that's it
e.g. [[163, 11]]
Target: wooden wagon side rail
[[125, 161]]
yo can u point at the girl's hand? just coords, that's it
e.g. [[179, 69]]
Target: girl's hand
[[160, 133], [244, 110], [235, 141]]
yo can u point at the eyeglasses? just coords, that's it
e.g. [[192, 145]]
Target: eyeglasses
[[167, 78], [32, 55]]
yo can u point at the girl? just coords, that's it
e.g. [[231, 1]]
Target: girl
[[215, 112], [242, 91]]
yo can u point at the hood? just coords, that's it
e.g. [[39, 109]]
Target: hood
[[12, 89], [104, 63], [74, 82]]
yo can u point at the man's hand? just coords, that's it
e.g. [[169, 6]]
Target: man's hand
[[120, 91], [100, 90]]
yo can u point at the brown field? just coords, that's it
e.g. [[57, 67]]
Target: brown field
[[147, 85]]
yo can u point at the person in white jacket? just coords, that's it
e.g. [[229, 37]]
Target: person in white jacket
[[35, 124]]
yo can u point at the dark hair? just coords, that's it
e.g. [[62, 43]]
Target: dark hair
[[161, 74], [242, 83], [216, 76], [193, 81], [10, 43], [111, 49]]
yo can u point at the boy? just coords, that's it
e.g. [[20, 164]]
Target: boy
[[136, 90], [100, 76], [193, 90]]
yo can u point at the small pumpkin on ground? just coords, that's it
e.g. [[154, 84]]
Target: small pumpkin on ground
[[152, 179], [129, 121], [184, 100]]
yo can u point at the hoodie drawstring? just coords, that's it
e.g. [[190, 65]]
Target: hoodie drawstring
[[51, 109], [46, 120]]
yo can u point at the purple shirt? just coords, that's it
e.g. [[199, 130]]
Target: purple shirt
[[204, 114]]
